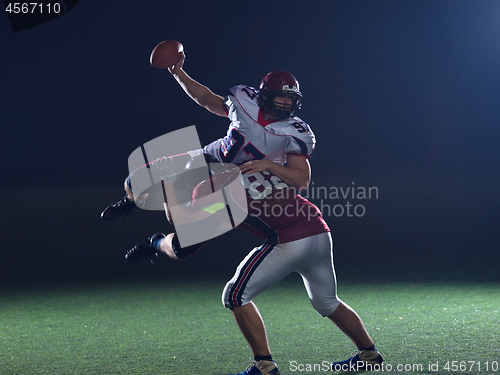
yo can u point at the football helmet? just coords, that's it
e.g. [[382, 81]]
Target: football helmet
[[275, 84]]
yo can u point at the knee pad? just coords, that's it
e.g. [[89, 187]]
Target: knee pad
[[232, 297], [326, 308]]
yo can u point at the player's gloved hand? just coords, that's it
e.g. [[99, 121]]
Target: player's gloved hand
[[163, 169]]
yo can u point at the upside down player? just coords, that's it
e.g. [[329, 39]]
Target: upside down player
[[264, 136]]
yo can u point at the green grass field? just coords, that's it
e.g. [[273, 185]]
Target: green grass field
[[181, 328]]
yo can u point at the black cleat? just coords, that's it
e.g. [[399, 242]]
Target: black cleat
[[119, 209], [144, 249]]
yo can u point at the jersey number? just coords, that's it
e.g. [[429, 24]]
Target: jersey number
[[300, 126], [259, 187], [235, 142], [250, 91]]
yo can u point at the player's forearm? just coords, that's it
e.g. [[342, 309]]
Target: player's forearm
[[194, 89], [294, 177], [201, 94]]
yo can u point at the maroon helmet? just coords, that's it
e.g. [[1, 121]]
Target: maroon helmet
[[279, 83]]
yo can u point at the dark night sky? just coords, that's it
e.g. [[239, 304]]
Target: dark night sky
[[402, 95]]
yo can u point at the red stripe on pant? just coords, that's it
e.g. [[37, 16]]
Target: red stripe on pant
[[247, 271]]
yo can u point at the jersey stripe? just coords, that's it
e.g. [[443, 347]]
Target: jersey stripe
[[246, 273], [302, 145]]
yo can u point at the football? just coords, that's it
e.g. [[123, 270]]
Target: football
[[166, 54]]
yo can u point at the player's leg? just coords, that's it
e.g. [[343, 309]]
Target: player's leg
[[128, 189], [319, 278], [151, 247], [160, 243], [351, 324], [367, 356], [131, 201], [252, 327], [318, 274], [261, 269]]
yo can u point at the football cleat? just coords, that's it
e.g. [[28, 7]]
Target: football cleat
[[119, 209], [260, 368], [144, 249], [366, 360]]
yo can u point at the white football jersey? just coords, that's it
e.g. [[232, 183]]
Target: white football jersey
[[251, 137]]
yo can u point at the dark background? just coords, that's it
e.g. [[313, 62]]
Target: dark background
[[402, 95]]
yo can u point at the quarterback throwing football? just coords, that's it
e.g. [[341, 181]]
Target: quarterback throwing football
[[271, 146]]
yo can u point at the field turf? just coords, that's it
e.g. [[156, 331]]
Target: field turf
[[180, 327]]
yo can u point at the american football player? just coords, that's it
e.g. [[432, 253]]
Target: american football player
[[270, 145], [296, 239]]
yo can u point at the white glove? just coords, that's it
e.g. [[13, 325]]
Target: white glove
[[163, 169]]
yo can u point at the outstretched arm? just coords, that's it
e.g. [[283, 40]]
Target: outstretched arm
[[201, 94]]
